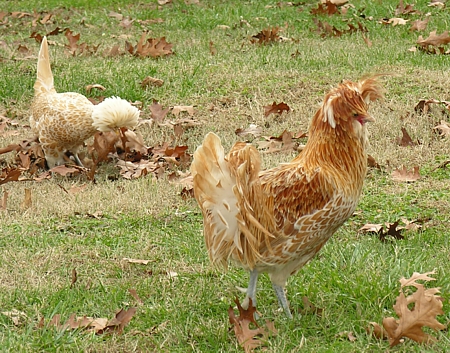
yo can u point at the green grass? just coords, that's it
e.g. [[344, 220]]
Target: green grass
[[355, 278]]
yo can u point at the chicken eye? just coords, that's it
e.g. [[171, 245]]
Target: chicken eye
[[355, 114]]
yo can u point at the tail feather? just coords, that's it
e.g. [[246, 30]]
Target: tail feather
[[44, 81], [113, 113], [227, 190]]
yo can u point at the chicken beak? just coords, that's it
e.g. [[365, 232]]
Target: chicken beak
[[368, 119]]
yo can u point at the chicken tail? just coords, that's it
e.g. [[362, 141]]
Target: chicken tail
[[44, 81], [113, 113], [226, 189]]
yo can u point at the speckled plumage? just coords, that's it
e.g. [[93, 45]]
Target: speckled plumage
[[63, 121], [275, 221]]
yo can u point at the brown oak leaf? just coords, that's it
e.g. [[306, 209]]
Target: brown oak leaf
[[276, 108], [267, 36], [415, 311], [247, 337]]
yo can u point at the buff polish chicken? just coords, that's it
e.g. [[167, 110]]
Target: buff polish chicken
[[63, 121], [275, 221]]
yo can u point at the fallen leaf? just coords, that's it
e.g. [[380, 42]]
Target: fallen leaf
[[134, 294], [247, 337], [377, 331], [444, 128], [325, 8], [76, 189], [251, 130], [392, 231], [366, 39], [267, 36], [3, 200], [404, 175], [151, 81], [415, 311], [116, 15], [151, 47], [136, 261], [309, 308], [27, 202], [276, 108], [183, 108], [74, 278], [419, 25], [434, 40], [157, 112], [212, 48], [10, 175], [405, 10], [405, 140], [96, 85], [16, 316], [64, 171], [122, 318], [372, 163], [369, 227]]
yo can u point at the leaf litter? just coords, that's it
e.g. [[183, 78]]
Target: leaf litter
[[90, 324]]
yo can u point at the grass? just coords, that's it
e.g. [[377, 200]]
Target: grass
[[354, 278]]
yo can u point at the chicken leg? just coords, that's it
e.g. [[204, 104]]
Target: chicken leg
[[282, 300], [251, 290]]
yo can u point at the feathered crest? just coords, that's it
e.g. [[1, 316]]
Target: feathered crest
[[350, 97], [114, 112]]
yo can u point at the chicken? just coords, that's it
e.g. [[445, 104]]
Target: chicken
[[63, 121], [275, 221]]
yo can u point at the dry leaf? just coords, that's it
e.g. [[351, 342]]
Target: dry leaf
[[276, 108], [153, 47], [212, 48], [405, 10], [10, 175], [157, 112], [96, 85], [116, 15], [419, 25], [435, 43], [74, 278], [369, 227], [372, 163], [251, 130], [444, 128], [378, 331], [134, 294], [183, 108], [27, 202], [64, 171], [415, 311], [309, 308], [406, 175], [267, 36], [327, 7], [4, 200], [406, 140], [151, 81], [136, 261], [16, 316], [397, 21], [249, 338]]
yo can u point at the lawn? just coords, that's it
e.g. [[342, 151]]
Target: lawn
[[65, 251]]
